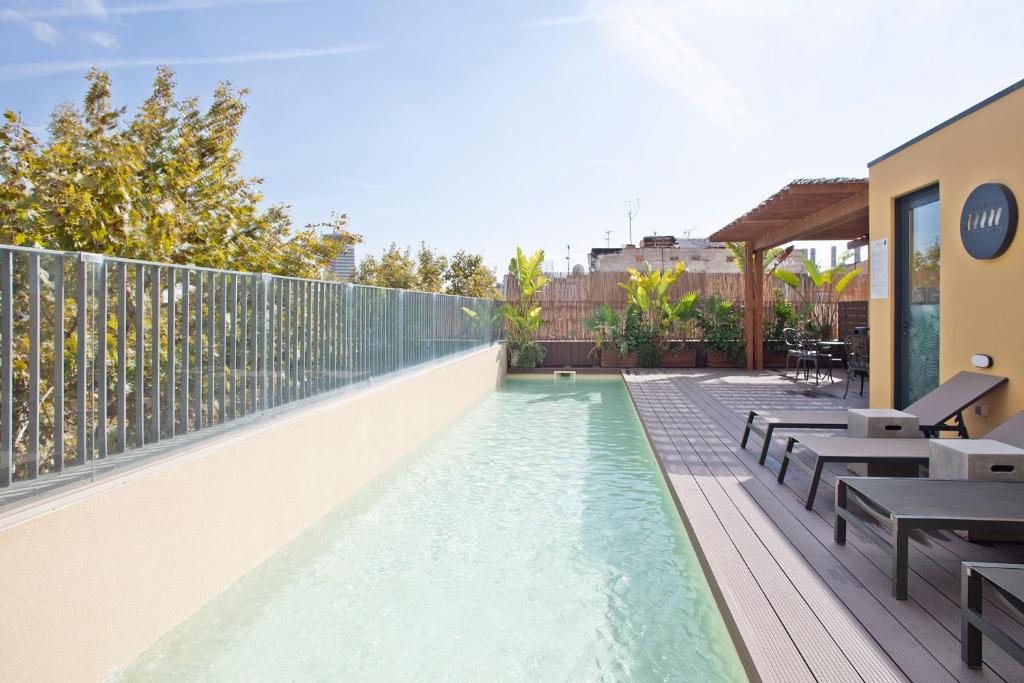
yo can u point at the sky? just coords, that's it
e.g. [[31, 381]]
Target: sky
[[486, 125]]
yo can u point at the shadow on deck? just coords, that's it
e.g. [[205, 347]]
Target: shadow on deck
[[804, 608]]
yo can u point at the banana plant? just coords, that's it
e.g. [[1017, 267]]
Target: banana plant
[[648, 291], [680, 313], [818, 306], [523, 315]]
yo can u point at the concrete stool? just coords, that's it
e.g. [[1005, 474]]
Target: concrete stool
[[976, 459], [882, 423]]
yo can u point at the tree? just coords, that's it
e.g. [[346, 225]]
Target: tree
[[430, 269], [396, 268], [164, 185], [468, 276]]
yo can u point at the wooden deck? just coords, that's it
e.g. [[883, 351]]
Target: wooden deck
[[804, 608]]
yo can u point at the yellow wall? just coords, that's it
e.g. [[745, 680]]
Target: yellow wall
[[92, 578], [980, 301]]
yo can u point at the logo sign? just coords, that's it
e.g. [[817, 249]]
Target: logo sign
[[988, 221]]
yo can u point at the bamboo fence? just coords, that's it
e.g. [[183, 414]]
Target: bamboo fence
[[567, 301]]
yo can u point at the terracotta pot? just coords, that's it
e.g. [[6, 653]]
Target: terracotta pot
[[679, 358], [714, 358], [613, 359]]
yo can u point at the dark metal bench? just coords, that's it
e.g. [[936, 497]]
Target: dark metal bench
[[905, 455], [901, 506], [1007, 581], [885, 457], [940, 410]]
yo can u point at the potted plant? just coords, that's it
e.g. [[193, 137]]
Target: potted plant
[[721, 323], [780, 316], [657, 317], [610, 343], [523, 315]]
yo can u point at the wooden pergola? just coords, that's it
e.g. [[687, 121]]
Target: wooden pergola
[[808, 209]]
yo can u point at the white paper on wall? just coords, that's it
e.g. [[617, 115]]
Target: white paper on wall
[[879, 269]]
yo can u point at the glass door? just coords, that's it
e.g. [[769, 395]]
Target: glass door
[[917, 291]]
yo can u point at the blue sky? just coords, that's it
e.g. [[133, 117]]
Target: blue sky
[[483, 125]]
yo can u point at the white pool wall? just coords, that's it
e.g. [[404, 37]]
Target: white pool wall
[[92, 577]]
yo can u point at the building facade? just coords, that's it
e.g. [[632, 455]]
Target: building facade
[[344, 266], [665, 251], [947, 273]]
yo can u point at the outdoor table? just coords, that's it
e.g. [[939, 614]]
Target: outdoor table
[[1008, 582]]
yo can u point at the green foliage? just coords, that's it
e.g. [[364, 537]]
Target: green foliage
[[430, 269], [395, 268], [523, 315], [780, 316], [464, 274], [722, 325], [162, 185], [771, 256], [818, 304], [648, 292], [531, 354], [467, 275]]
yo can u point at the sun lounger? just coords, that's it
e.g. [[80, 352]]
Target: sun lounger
[[1008, 582], [898, 456], [902, 505], [938, 411]]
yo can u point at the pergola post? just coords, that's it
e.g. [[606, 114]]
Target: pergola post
[[753, 299]]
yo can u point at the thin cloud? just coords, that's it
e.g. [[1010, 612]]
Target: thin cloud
[[44, 33], [102, 38], [559, 21], [96, 8], [10, 72], [362, 183], [647, 33]]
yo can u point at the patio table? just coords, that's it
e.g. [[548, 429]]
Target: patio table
[[1007, 580]]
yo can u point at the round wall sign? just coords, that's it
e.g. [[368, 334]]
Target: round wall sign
[[988, 221]]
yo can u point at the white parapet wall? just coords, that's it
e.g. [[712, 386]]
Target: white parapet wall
[[93, 577]]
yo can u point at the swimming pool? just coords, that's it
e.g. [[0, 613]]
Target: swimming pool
[[533, 539]]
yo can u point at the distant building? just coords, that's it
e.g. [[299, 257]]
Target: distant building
[[344, 265], [664, 251]]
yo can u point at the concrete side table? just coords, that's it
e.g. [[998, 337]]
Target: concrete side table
[[882, 423], [976, 459]]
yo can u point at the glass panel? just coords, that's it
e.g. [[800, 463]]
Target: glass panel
[[922, 353]]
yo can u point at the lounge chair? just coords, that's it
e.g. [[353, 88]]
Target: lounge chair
[[903, 505], [1008, 582], [899, 456], [940, 410]]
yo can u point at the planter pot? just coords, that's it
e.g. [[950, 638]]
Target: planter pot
[[774, 358], [513, 358], [613, 359], [679, 358], [714, 358]]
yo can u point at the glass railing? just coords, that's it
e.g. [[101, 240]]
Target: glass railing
[[102, 356]]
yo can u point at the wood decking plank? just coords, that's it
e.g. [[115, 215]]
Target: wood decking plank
[[923, 641], [940, 642]]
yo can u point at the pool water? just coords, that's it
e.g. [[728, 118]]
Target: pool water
[[532, 540]]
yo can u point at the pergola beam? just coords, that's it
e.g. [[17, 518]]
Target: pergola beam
[[852, 211]]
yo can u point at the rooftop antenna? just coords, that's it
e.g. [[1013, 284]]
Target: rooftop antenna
[[568, 262], [608, 238], [631, 211]]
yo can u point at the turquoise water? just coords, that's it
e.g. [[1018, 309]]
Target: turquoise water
[[533, 540]]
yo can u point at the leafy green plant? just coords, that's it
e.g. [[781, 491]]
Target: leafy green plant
[[722, 325], [781, 315], [523, 315], [606, 325], [819, 302]]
